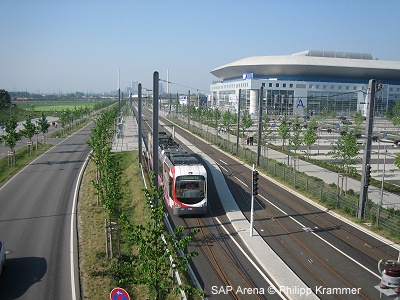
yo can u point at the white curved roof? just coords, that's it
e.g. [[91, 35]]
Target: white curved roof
[[303, 64]]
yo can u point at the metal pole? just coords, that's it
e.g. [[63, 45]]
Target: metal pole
[[252, 203], [188, 107], [367, 148], [155, 127], [260, 112], [119, 95], [140, 123], [238, 124]]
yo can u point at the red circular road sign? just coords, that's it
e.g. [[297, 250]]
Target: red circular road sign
[[119, 294]]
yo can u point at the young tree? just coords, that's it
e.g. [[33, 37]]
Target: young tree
[[284, 132], [310, 136], [43, 125], [11, 138], [245, 121], [151, 266], [295, 140], [227, 120], [396, 116], [29, 131], [346, 150], [266, 132]]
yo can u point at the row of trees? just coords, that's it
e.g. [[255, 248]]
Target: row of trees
[[12, 136], [148, 248], [345, 149]]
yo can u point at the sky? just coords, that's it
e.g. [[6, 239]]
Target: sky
[[65, 46]]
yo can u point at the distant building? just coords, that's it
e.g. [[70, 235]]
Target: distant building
[[308, 82]]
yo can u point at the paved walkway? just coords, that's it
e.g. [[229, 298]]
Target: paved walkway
[[126, 137]]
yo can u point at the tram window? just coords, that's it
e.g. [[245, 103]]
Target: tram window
[[190, 189]]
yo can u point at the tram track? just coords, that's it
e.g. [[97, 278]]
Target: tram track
[[214, 245], [265, 214]]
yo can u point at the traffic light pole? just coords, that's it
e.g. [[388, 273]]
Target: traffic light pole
[[366, 170], [254, 192]]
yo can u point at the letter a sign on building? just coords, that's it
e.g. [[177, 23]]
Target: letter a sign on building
[[300, 103]]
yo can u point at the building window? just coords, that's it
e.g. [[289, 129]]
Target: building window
[[324, 86], [291, 85], [284, 85], [317, 86], [310, 86], [277, 85], [270, 85], [347, 87], [332, 87], [339, 87], [263, 84]]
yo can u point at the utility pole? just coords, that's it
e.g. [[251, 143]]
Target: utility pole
[[140, 122], [238, 123], [119, 96], [366, 166], [188, 108], [155, 127], [260, 105]]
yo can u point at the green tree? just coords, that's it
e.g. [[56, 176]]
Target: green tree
[[151, 265], [5, 99], [43, 125], [227, 120], [346, 150], [397, 160], [396, 116], [245, 121], [29, 131], [284, 132], [11, 138], [310, 136], [295, 140], [266, 132]]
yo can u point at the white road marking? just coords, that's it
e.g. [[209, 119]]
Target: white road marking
[[328, 243]]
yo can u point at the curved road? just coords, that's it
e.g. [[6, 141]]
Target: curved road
[[35, 222]]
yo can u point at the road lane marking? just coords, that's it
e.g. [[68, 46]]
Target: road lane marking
[[325, 241]]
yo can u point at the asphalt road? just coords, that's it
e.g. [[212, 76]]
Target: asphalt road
[[35, 222]]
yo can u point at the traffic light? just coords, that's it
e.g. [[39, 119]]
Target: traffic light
[[367, 174], [255, 182]]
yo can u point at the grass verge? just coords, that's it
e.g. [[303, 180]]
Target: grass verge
[[96, 284]]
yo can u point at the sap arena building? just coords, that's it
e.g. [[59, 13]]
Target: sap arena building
[[309, 82]]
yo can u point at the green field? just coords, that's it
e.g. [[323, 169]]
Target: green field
[[46, 105]]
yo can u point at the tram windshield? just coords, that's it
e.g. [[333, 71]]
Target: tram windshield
[[190, 189]]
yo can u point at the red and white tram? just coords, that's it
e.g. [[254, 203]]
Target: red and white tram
[[183, 177]]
